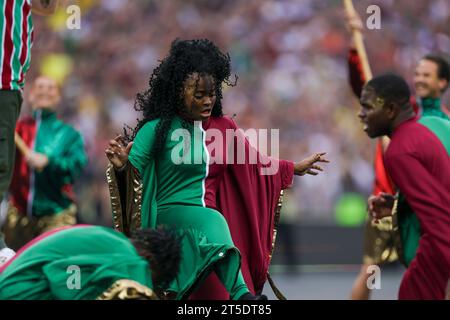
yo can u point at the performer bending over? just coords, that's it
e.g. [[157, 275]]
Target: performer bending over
[[91, 262]]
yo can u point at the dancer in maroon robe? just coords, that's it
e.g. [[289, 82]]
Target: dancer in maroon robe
[[248, 200]]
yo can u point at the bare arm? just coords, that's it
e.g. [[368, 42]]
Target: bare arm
[[44, 7]]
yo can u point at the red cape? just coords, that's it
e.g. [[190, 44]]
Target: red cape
[[248, 201]]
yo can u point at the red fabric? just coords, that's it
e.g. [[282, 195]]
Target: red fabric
[[26, 11], [420, 166], [356, 74], [8, 46], [382, 182], [20, 184], [247, 199]]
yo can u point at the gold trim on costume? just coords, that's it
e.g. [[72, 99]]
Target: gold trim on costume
[[135, 222], [131, 218], [125, 289], [276, 221], [114, 195], [20, 228], [396, 230]]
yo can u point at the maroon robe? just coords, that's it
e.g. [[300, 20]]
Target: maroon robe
[[420, 167], [247, 199]]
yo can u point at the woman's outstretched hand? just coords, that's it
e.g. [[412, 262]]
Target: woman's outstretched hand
[[117, 153], [309, 166]]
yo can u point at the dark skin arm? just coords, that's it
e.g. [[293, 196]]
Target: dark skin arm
[[380, 206], [117, 153], [309, 164]]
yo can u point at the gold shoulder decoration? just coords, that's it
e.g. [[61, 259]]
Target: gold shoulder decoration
[[125, 289]]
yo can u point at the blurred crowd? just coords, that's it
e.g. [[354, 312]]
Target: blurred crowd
[[290, 58]]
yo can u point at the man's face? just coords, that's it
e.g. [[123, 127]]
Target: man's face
[[44, 93], [426, 80], [373, 114], [199, 95]]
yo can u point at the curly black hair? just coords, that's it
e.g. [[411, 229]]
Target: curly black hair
[[163, 99], [161, 247]]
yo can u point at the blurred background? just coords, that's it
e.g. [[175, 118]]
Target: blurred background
[[291, 60]]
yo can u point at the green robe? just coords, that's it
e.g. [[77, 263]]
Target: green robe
[[45, 269], [47, 192]]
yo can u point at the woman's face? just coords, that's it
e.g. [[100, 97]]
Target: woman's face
[[199, 96]]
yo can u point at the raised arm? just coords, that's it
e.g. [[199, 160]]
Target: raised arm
[[358, 66], [124, 176]]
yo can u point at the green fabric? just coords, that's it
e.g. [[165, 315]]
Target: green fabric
[[173, 193], [103, 256], [440, 127], [64, 147], [27, 64], [181, 183], [409, 224], [17, 41], [207, 239], [432, 107], [409, 227]]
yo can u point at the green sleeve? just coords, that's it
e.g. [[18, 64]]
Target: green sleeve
[[70, 165], [87, 276], [440, 127], [409, 227], [141, 152]]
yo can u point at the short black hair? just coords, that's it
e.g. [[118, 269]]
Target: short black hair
[[443, 67], [161, 247], [392, 88]]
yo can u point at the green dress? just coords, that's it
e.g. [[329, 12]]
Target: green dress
[[45, 268], [173, 194]]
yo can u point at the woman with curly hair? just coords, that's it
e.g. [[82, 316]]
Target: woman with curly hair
[[155, 182]]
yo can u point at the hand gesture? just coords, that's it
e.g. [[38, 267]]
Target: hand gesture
[[308, 165], [117, 153], [37, 161], [380, 206]]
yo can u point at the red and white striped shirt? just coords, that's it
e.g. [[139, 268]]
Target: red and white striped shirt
[[16, 39]]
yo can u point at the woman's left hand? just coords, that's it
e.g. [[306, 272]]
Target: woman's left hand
[[309, 166]]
